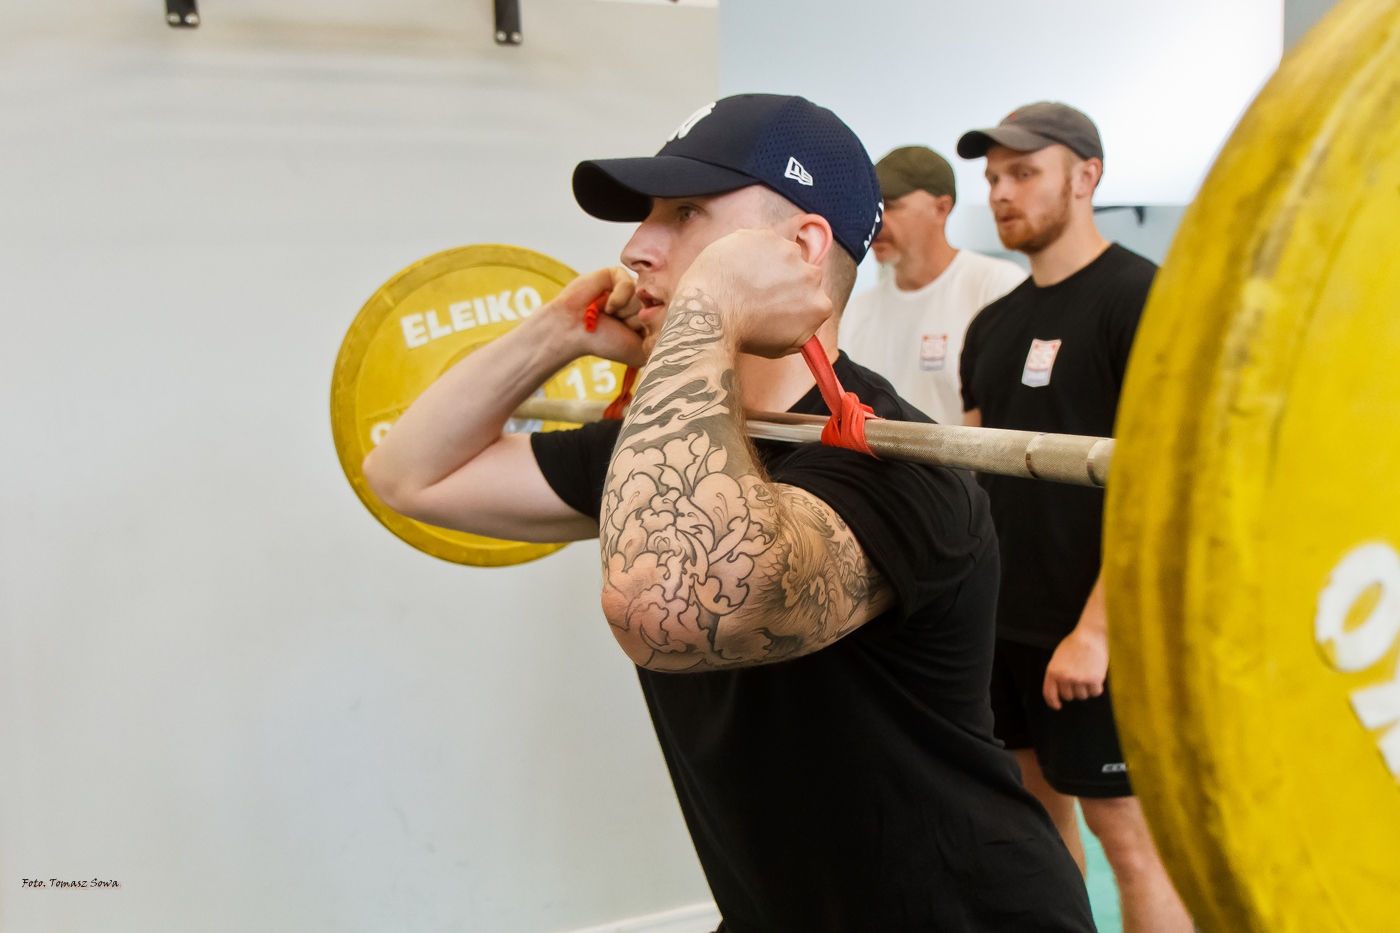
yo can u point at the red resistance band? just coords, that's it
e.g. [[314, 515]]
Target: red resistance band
[[845, 428], [590, 323]]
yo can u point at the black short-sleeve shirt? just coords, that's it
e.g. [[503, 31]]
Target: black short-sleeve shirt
[[1052, 359], [859, 788]]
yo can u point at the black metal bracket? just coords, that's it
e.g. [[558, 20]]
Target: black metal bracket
[[1139, 210], [182, 14], [507, 22]]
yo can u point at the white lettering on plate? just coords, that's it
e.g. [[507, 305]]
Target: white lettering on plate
[[435, 330], [461, 314], [414, 333], [527, 301], [422, 328], [498, 308], [1367, 571]]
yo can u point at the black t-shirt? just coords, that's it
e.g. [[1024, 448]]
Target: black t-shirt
[[858, 788], [1052, 359]]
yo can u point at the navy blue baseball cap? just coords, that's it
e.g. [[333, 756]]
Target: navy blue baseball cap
[[789, 144]]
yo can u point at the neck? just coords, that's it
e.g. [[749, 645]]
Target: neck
[[912, 272], [1079, 245], [776, 385]]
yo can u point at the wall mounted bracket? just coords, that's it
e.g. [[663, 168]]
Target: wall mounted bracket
[[508, 22], [182, 14]]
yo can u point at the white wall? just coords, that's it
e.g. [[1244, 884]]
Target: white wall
[[1164, 81], [221, 682]]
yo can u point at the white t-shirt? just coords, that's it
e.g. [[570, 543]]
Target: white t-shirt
[[914, 339]]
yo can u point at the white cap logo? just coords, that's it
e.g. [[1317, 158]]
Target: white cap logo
[[690, 122], [797, 173]]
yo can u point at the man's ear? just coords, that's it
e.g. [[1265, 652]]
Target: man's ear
[[814, 235], [1087, 174]]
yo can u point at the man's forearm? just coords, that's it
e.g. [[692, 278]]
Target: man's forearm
[[463, 413], [707, 565], [1094, 619], [687, 389]]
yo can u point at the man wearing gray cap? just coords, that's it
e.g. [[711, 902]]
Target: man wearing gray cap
[[1050, 356], [909, 328]]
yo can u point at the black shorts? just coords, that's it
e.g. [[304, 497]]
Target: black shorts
[[1077, 747]]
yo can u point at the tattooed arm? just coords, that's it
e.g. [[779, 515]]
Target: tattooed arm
[[706, 563]]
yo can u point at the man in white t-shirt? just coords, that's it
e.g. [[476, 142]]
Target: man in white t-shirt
[[909, 328]]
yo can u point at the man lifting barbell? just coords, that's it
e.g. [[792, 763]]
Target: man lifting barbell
[[813, 627]]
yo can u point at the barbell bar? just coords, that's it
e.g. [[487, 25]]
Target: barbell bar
[[1060, 458]]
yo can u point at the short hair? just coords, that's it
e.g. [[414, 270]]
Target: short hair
[[1073, 158], [840, 264], [843, 277]]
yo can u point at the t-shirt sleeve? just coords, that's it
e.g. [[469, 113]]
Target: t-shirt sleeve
[[967, 362], [575, 463], [921, 527]]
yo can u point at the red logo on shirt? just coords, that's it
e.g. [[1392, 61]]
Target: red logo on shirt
[[933, 351], [1039, 362]]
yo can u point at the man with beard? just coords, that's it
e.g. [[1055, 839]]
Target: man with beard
[[909, 328], [812, 627], [1050, 356]]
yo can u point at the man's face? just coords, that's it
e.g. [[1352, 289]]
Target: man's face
[[667, 242], [910, 223], [1031, 195]]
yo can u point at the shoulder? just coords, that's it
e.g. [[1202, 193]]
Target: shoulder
[[999, 308], [992, 268], [1126, 281], [923, 528], [876, 391], [1128, 270]]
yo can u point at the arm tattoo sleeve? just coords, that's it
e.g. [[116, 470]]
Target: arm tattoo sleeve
[[706, 564]]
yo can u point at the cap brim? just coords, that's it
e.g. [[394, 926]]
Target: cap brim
[[974, 144], [622, 189]]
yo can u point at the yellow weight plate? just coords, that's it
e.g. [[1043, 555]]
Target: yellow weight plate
[[1253, 517], [410, 332]]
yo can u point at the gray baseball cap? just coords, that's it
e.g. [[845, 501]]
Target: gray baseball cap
[[1032, 128]]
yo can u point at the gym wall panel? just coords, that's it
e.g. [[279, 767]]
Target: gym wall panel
[[1164, 81], [222, 683]]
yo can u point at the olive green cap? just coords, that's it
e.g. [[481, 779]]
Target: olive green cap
[[915, 168]]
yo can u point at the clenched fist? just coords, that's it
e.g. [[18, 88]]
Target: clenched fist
[[618, 335], [770, 297]]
